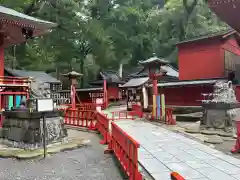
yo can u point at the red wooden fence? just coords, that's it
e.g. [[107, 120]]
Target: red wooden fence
[[103, 123], [80, 118], [124, 146], [83, 106], [168, 119], [126, 150], [102, 126]]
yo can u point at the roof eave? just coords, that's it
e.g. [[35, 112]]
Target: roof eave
[[221, 36], [12, 15]]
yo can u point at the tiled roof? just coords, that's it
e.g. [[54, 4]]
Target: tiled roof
[[38, 75], [110, 76], [135, 82], [170, 71]]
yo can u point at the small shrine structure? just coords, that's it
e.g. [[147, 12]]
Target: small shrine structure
[[139, 92], [106, 87], [111, 80], [43, 85], [153, 65], [73, 77]]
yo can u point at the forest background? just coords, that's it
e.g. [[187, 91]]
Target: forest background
[[95, 35]]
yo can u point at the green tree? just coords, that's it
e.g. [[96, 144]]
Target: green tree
[[110, 32]]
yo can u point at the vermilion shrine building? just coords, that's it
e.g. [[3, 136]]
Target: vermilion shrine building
[[202, 62], [207, 57]]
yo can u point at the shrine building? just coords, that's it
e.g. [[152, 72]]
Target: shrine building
[[203, 61]]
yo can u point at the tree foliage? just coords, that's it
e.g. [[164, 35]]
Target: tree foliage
[[105, 33]]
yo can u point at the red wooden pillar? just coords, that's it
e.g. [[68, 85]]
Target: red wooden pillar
[[155, 88], [1, 74], [105, 93], [73, 96]]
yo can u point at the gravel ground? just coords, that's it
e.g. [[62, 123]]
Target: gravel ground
[[88, 163]]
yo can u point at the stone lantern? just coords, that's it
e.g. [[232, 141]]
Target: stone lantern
[[153, 65], [73, 77]]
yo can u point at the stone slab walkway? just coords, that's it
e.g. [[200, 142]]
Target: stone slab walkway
[[163, 151]]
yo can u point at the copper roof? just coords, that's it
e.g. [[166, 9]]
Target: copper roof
[[227, 11]]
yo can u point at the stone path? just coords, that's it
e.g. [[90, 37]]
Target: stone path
[[163, 151]]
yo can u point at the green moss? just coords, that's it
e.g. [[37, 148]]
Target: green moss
[[31, 154]]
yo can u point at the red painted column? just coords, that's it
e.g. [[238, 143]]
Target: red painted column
[[155, 89], [73, 96], [1, 74], [1, 61], [236, 147], [105, 94]]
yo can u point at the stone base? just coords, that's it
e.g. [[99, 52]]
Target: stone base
[[25, 130]]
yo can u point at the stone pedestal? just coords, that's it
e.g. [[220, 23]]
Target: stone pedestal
[[23, 128], [217, 116], [217, 119]]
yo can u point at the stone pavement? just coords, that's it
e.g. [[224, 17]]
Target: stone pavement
[[163, 151]]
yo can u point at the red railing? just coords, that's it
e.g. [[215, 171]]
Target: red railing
[[168, 118], [176, 176], [126, 150], [83, 106], [126, 115], [103, 124], [79, 118], [236, 147]]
